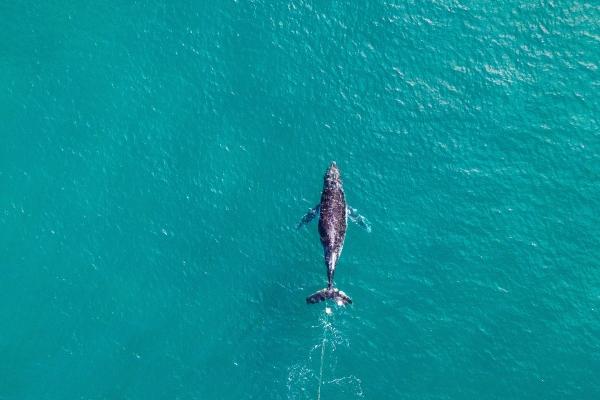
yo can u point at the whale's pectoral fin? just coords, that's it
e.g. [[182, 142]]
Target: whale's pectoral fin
[[358, 219], [309, 216]]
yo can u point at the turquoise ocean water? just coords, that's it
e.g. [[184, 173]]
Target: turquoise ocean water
[[156, 156]]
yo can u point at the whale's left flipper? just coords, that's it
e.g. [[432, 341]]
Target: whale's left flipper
[[309, 216], [355, 217]]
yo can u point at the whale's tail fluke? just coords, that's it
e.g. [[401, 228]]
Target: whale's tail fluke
[[337, 295]]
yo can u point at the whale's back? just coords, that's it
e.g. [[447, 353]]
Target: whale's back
[[332, 219]]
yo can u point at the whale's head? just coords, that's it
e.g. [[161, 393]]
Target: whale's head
[[332, 176]]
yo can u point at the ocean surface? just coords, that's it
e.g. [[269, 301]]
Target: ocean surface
[[155, 158]]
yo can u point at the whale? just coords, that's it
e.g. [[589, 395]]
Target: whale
[[334, 213]]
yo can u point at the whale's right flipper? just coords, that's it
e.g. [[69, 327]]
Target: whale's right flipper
[[312, 213], [355, 217]]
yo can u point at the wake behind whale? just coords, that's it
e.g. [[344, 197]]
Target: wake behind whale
[[321, 367]]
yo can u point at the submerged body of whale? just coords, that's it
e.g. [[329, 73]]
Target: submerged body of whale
[[333, 221]]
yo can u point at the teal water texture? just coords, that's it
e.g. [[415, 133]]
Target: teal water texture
[[156, 156]]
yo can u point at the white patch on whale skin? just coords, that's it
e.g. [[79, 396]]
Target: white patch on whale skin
[[333, 260]]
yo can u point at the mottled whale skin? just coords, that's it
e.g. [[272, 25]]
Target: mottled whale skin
[[333, 222]]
